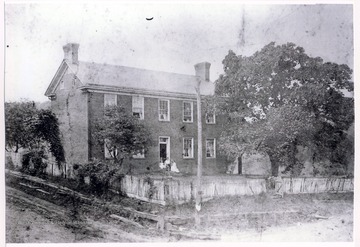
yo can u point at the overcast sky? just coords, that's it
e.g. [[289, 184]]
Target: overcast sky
[[178, 36]]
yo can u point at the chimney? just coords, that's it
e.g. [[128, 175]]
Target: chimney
[[71, 53], [203, 70]]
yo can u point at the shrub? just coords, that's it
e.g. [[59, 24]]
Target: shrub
[[101, 174], [33, 163]]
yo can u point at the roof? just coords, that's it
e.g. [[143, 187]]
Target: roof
[[128, 77], [98, 76]]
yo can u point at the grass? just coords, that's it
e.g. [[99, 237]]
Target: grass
[[325, 204], [307, 205]]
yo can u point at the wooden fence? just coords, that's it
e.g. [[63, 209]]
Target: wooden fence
[[317, 185], [144, 188], [177, 190], [170, 190]]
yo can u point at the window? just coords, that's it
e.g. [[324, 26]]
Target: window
[[62, 85], [164, 148], [140, 155], [110, 151], [210, 148], [188, 148], [164, 110], [210, 118], [138, 106], [110, 99], [188, 111]]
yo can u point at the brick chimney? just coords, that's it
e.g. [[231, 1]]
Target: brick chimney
[[203, 70], [71, 53]]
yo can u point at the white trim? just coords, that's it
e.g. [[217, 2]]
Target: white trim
[[192, 111], [61, 75], [139, 155], [214, 118], [107, 154], [192, 148], [149, 94], [214, 148], [54, 84], [167, 146], [142, 117], [168, 110]]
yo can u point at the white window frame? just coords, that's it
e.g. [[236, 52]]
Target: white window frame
[[192, 111], [107, 155], [214, 118], [168, 150], [206, 150], [106, 102], [192, 148], [142, 106], [167, 119], [140, 155]]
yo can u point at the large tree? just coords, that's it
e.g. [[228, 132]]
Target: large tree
[[26, 127], [280, 98], [122, 134], [17, 133]]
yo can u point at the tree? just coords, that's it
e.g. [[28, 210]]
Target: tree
[[17, 132], [45, 127], [279, 98], [122, 134], [29, 128]]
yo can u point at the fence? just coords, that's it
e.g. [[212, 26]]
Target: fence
[[177, 190], [52, 167], [317, 185], [165, 190], [143, 188]]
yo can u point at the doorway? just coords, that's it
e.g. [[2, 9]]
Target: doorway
[[164, 147]]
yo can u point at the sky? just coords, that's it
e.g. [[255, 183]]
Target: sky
[[177, 36]]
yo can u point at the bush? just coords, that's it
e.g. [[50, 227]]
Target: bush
[[33, 164], [101, 173]]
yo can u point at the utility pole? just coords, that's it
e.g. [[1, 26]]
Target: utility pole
[[199, 166]]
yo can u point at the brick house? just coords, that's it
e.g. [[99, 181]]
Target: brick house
[[165, 101]]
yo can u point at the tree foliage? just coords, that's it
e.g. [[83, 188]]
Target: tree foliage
[[101, 175], [45, 127], [122, 134], [17, 132], [28, 127], [279, 98]]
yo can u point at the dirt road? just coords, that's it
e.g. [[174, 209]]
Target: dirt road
[[334, 229], [26, 224]]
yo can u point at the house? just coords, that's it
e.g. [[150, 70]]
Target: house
[[166, 102]]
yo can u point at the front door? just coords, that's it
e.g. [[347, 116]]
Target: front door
[[164, 147]]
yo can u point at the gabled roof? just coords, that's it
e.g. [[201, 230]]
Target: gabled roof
[[97, 76], [56, 79]]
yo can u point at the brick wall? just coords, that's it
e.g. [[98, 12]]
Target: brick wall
[[176, 129], [70, 106]]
